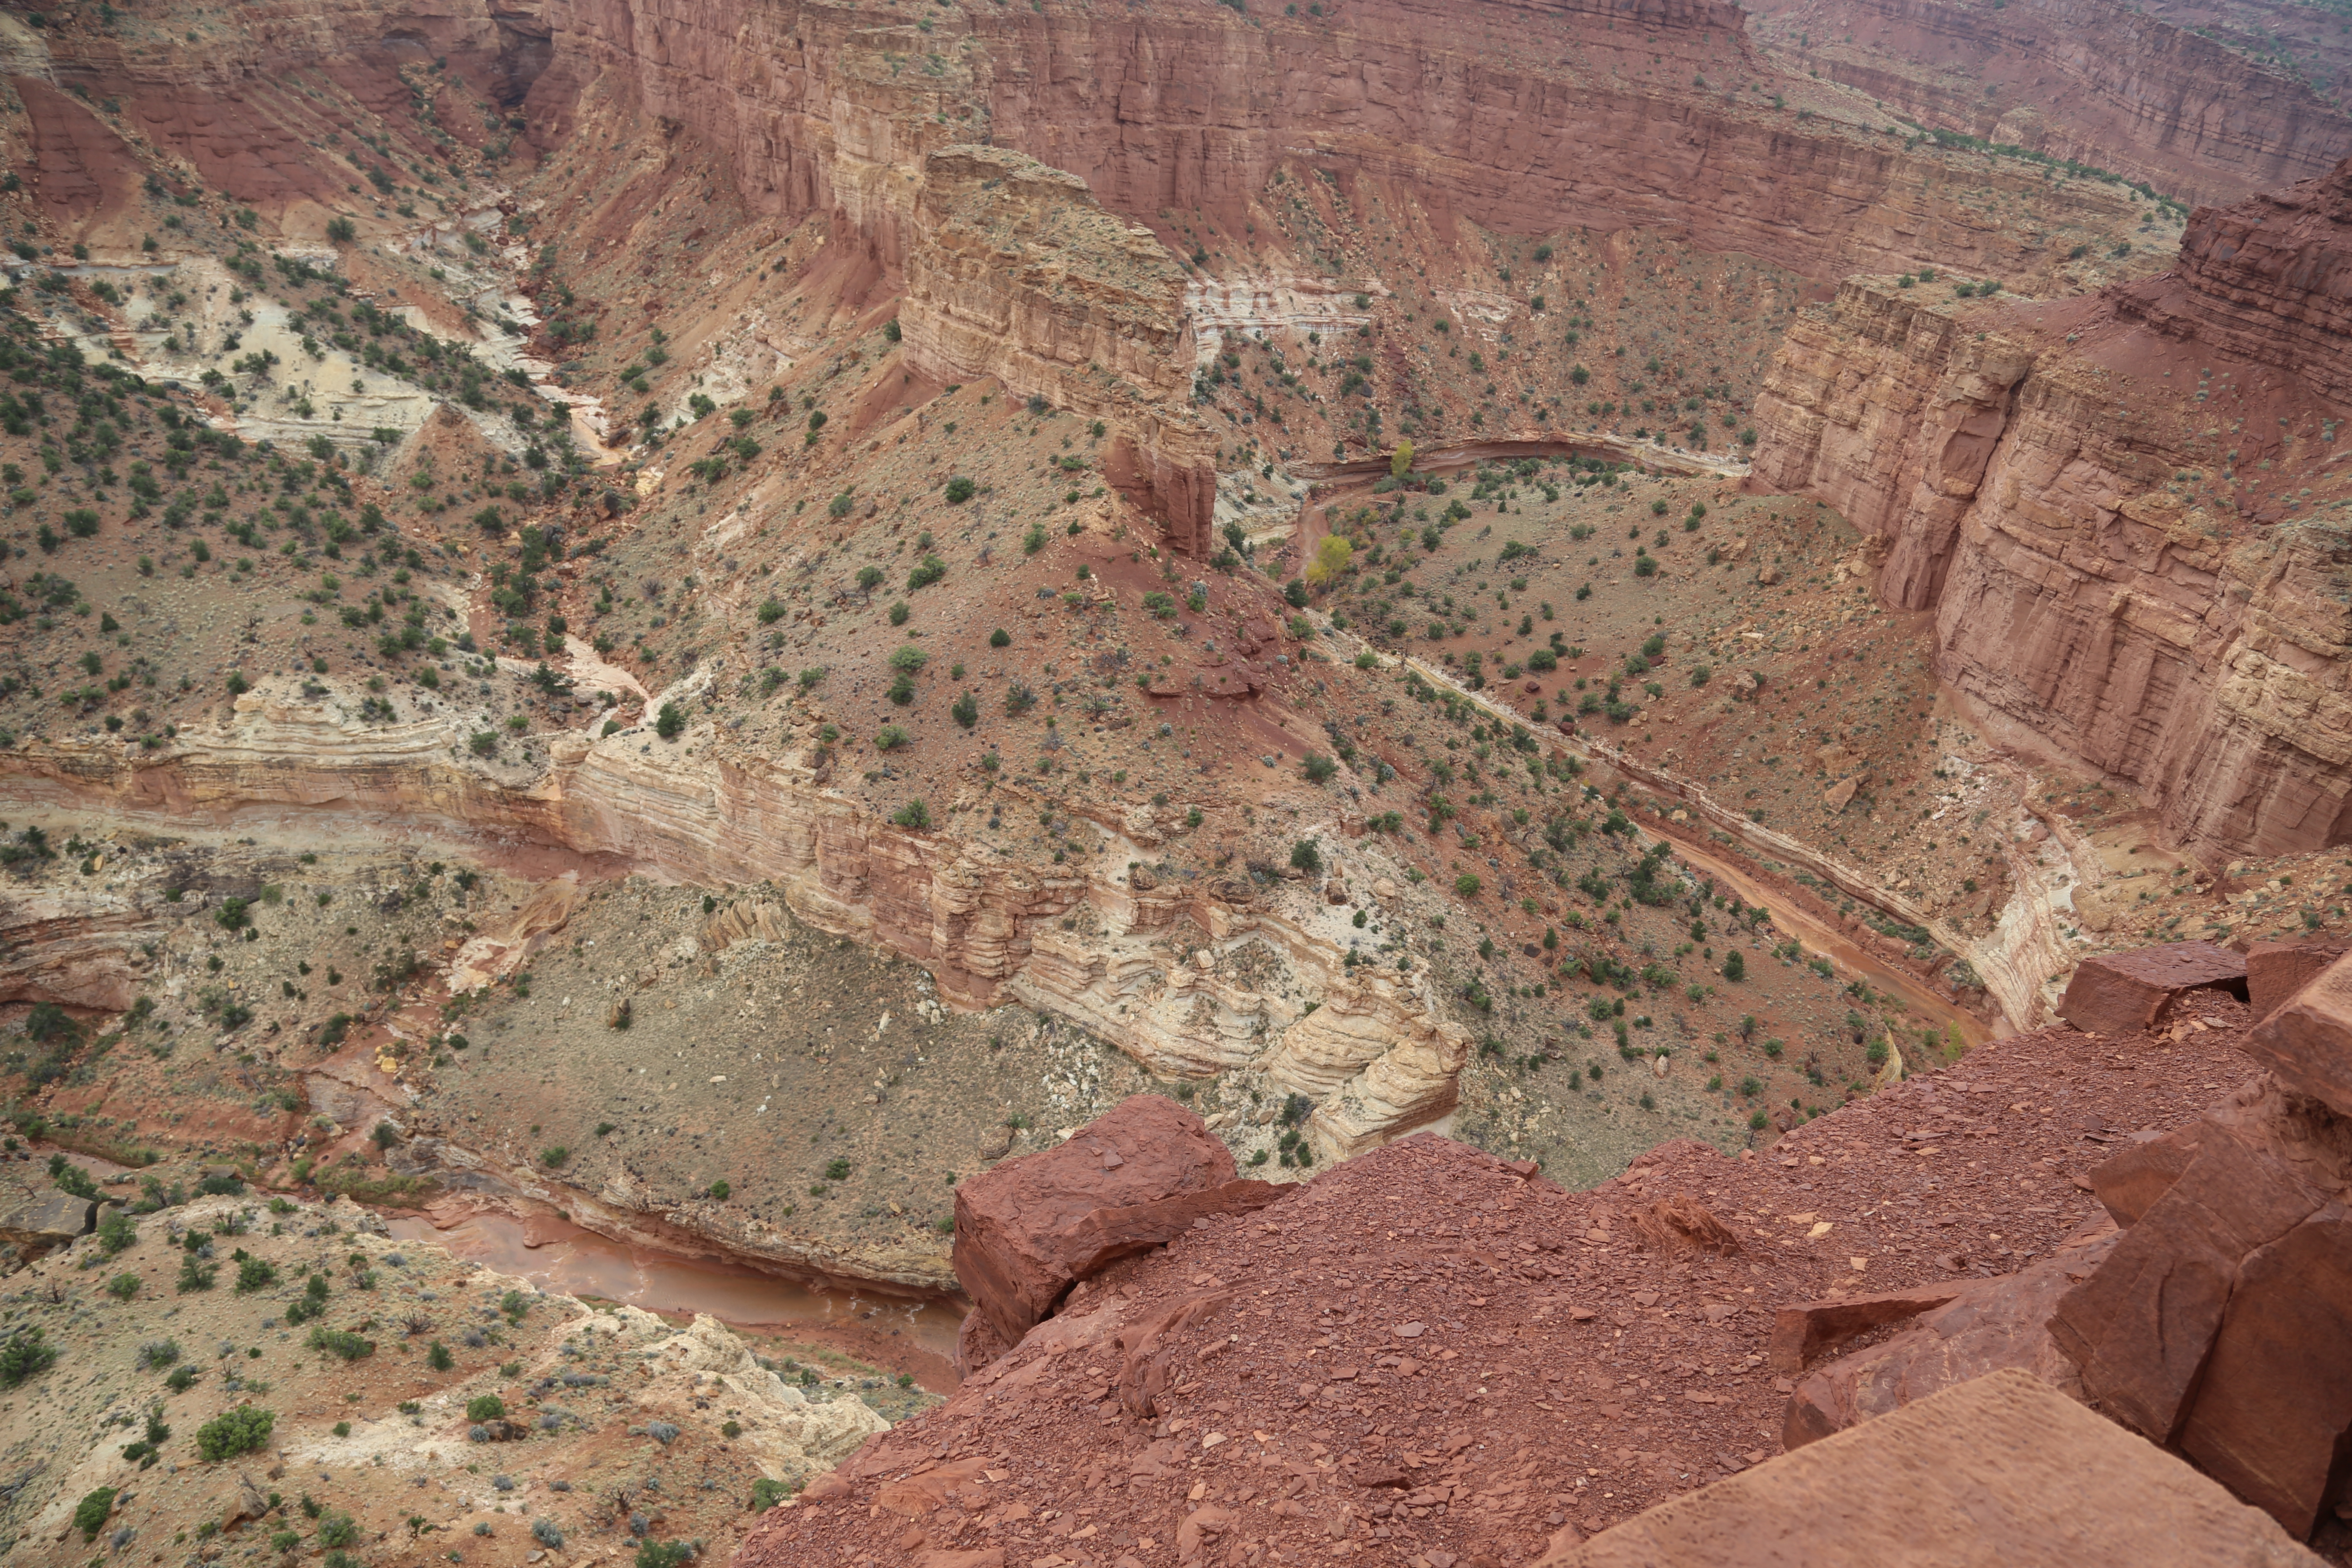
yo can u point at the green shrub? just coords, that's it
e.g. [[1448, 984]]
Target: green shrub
[[89, 1514], [116, 1234], [338, 1529], [722, 1191], [233, 1432], [1735, 967], [340, 1342], [26, 1355], [255, 1274], [439, 1357], [485, 1408], [122, 1287], [671, 721], [554, 1156], [1306, 857], [960, 490], [665, 1554]]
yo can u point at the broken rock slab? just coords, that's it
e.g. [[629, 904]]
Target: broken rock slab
[[2275, 971], [2306, 1043], [2125, 993], [1030, 1228], [1999, 1472], [47, 1218], [1988, 1325]]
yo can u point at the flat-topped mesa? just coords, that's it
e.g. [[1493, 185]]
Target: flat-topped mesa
[[2267, 279], [1013, 271], [2047, 478]]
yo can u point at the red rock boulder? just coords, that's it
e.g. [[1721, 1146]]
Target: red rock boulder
[[1980, 1326], [2125, 993], [1030, 1228], [2307, 1042], [2221, 1322], [2275, 971]]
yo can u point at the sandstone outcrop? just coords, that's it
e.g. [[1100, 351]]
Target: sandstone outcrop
[[2201, 1328], [46, 1217], [1994, 1471], [1430, 1352], [1014, 271], [2100, 82], [1028, 1229], [2307, 1042], [1985, 1327], [2105, 586], [1185, 106], [75, 948], [1377, 1055], [2267, 281], [2275, 971], [2125, 993]]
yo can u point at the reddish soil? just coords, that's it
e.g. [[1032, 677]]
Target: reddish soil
[[1425, 1355]]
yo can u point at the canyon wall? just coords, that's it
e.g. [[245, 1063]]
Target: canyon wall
[[248, 110], [2098, 81], [2044, 478], [1526, 117], [1376, 1053]]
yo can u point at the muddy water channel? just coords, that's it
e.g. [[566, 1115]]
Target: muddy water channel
[[908, 1335]]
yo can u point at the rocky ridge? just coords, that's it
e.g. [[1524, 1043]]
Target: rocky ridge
[[1431, 1351], [1375, 1053]]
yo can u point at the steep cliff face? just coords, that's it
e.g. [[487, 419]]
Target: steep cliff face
[[1087, 942], [1541, 116], [2094, 81], [1015, 271], [2268, 282], [2161, 598], [259, 109]]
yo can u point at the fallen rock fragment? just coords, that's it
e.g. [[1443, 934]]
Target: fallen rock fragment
[[1031, 1227], [2275, 971], [2125, 993], [1988, 1326]]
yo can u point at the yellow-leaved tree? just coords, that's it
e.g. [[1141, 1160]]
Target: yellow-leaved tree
[[1332, 553]]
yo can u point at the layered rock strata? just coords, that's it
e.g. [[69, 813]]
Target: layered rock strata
[[1597, 116], [1377, 1055], [2115, 578], [2096, 81], [1014, 271]]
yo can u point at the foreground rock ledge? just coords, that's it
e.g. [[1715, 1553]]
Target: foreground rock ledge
[[1998, 1472]]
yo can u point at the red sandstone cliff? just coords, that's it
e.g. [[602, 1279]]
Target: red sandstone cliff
[[1015, 271], [2117, 509], [2097, 81], [1519, 117]]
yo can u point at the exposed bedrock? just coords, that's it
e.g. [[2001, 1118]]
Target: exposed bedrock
[[2122, 573], [1375, 1054]]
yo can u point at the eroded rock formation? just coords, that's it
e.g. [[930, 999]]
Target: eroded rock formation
[[1015, 271], [1188, 980], [1602, 114], [2117, 575]]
